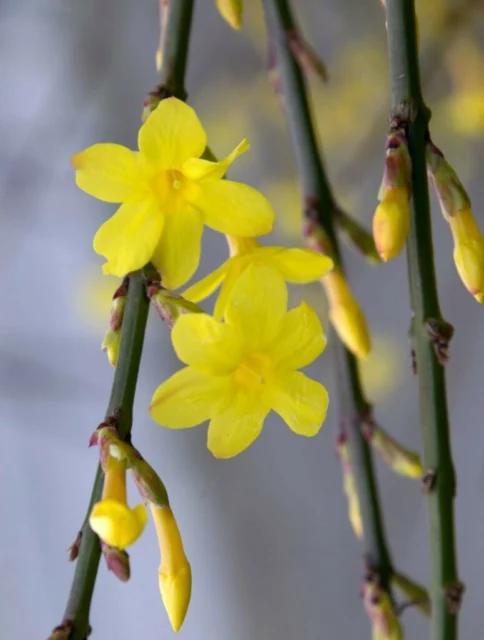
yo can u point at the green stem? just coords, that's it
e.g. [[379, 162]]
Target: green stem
[[121, 405], [409, 109], [320, 209], [172, 76]]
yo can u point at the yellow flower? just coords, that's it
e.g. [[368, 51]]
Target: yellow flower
[[114, 522], [391, 223], [295, 265], [231, 11], [167, 193], [346, 315], [175, 575], [238, 371], [468, 252]]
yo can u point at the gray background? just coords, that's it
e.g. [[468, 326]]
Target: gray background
[[267, 535]]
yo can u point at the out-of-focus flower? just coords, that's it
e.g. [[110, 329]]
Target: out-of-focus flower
[[403, 461], [381, 372], [112, 519], [346, 315], [174, 574], [298, 266], [238, 371], [168, 193], [231, 11]]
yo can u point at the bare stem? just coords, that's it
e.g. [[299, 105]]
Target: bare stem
[[76, 616], [319, 208], [409, 109]]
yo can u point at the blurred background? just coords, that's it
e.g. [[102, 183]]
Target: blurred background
[[272, 552]]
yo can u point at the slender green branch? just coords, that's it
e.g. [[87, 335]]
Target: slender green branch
[[320, 208], [75, 624], [120, 405], [410, 112]]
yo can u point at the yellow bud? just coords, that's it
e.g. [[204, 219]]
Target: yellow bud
[[391, 223], [175, 576], [468, 252], [114, 522], [401, 460], [231, 11], [346, 315], [110, 345]]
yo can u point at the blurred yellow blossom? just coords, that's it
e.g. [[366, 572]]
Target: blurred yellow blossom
[[382, 372], [238, 371], [299, 266], [94, 296], [165, 189], [231, 11]]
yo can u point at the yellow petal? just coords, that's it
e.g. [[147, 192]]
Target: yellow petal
[[210, 346], [234, 430], [234, 271], [300, 265], [176, 589], [301, 402], [257, 306], [188, 398], [206, 286], [172, 134], [177, 255], [233, 208], [128, 239], [301, 339], [231, 11], [109, 172], [200, 169], [116, 524]]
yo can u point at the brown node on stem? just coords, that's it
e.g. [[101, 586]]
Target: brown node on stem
[[440, 333], [453, 595], [429, 480], [74, 547]]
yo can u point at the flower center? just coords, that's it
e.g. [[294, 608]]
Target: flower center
[[170, 185], [255, 372]]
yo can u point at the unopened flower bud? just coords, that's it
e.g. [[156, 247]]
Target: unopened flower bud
[[468, 252], [397, 170], [346, 314], [417, 595], [110, 345], [117, 561], [74, 547], [349, 487], [449, 190], [149, 483], [402, 461], [175, 576], [379, 607], [358, 236], [62, 632], [231, 11], [391, 223], [169, 305]]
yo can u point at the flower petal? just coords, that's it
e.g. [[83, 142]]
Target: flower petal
[[116, 524], [109, 172], [206, 286], [233, 274], [301, 339], [232, 431], [200, 169], [128, 239], [202, 342], [257, 306], [188, 398], [301, 402], [177, 255], [172, 134], [233, 208], [300, 265]]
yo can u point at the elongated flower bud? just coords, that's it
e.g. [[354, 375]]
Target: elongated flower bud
[[110, 343], [358, 236], [231, 11], [402, 461], [148, 482], [349, 487], [346, 314], [391, 222], [447, 186], [468, 252], [175, 577], [380, 611]]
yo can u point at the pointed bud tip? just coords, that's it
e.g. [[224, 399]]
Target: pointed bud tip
[[175, 592]]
